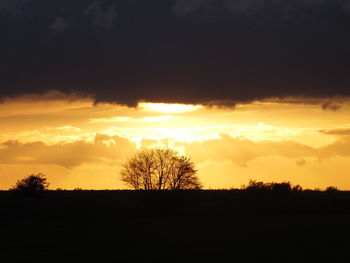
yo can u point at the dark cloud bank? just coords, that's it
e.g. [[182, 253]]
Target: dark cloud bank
[[189, 51]]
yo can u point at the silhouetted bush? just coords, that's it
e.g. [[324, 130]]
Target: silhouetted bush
[[281, 187], [32, 184], [297, 188], [271, 187], [257, 186], [331, 189]]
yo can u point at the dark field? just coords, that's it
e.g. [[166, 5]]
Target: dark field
[[183, 226]]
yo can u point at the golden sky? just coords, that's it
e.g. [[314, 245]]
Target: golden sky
[[79, 144]]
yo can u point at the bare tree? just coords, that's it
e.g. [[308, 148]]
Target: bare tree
[[160, 169], [183, 175]]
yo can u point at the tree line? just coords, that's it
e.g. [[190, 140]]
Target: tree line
[[159, 169]]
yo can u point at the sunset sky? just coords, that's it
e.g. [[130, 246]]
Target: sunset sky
[[79, 144], [249, 89]]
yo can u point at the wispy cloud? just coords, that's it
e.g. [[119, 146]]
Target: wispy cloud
[[66, 128], [341, 131], [60, 24], [69, 155], [112, 120], [102, 17]]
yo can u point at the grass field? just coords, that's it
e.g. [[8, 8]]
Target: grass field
[[183, 226]]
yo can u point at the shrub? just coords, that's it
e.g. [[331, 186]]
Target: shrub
[[31, 184], [331, 189], [272, 187]]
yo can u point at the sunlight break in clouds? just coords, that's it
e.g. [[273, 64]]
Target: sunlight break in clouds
[[79, 143], [169, 108]]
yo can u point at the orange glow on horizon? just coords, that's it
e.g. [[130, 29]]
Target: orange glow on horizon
[[80, 144]]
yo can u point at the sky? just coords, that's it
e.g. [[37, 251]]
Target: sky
[[249, 89]]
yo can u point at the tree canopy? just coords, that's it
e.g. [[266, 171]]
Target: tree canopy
[[31, 183], [160, 169]]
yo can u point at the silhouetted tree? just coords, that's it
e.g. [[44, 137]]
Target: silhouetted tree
[[332, 189], [297, 188], [281, 187], [257, 186], [275, 187], [160, 169], [31, 183]]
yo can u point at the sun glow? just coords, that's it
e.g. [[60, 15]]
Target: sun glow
[[169, 107], [228, 145]]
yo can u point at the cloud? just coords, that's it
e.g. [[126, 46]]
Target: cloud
[[111, 120], [103, 149], [13, 7], [327, 103], [242, 151], [184, 51], [49, 95], [66, 128], [130, 119], [336, 132], [331, 106], [46, 103], [113, 150], [101, 17], [346, 5], [340, 147], [60, 24], [301, 162], [247, 7], [185, 7]]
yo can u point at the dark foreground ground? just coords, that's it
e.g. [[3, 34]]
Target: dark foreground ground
[[188, 226]]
